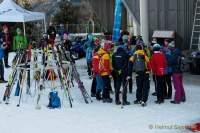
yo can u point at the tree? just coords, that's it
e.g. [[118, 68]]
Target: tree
[[66, 14]]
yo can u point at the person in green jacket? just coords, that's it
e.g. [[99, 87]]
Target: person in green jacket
[[19, 41]]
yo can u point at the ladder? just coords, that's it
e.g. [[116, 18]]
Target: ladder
[[195, 38]]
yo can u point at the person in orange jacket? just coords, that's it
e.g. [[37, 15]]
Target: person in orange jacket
[[105, 71]]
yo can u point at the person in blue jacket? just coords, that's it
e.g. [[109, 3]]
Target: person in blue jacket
[[88, 47], [168, 75]]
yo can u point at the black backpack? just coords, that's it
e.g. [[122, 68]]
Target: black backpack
[[139, 63]]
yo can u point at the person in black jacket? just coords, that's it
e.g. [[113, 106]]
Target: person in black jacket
[[120, 64]]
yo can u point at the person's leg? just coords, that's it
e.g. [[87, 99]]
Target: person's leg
[[99, 87], [162, 87], [131, 85], [106, 95], [155, 84], [146, 88], [89, 68], [93, 87], [6, 53], [165, 89], [183, 98], [1, 70], [176, 82], [117, 88], [139, 88], [124, 89], [169, 84]]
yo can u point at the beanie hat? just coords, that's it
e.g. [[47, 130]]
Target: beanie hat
[[18, 30], [5, 26], [156, 47]]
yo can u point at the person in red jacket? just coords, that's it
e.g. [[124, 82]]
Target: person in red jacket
[[97, 83], [158, 65], [7, 42], [105, 71]]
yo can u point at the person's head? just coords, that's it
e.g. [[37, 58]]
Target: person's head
[[90, 37], [5, 28], [19, 31], [97, 41], [125, 38], [139, 47], [171, 45], [156, 47], [65, 36], [101, 52], [50, 24], [45, 36], [166, 42]]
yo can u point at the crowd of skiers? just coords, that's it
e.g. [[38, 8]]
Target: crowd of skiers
[[9, 42], [106, 63]]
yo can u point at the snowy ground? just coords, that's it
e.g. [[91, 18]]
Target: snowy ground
[[98, 117]]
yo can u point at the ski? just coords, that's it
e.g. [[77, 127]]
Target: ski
[[23, 78], [76, 75], [62, 76], [12, 77]]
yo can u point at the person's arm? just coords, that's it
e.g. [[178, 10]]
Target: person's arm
[[130, 65]]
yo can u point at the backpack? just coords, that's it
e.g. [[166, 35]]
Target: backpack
[[54, 100], [181, 65], [139, 63]]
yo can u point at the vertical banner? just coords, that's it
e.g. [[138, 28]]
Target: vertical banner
[[117, 20]]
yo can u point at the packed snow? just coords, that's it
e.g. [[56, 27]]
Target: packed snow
[[98, 117]]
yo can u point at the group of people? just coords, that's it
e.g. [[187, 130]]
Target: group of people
[[106, 63], [8, 43]]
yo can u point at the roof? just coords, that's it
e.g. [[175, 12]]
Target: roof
[[11, 12], [164, 34]]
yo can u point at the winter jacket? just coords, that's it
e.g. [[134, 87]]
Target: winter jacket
[[96, 63], [132, 59], [51, 32], [7, 39], [89, 54], [19, 42], [158, 63], [168, 55], [176, 61], [120, 61], [1, 46], [105, 68], [88, 44]]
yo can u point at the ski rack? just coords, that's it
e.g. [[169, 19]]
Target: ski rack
[[41, 61]]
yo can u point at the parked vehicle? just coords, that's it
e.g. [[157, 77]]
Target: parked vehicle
[[77, 48]]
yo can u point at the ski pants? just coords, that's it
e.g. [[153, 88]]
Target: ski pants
[[99, 83], [160, 82], [93, 87], [106, 88], [120, 80], [6, 54], [1, 70], [178, 86], [143, 87], [89, 68], [168, 86]]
